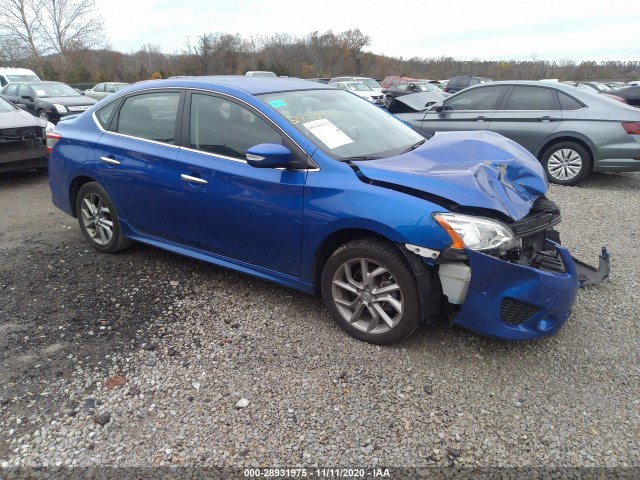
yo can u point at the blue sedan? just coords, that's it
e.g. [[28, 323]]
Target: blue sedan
[[314, 188]]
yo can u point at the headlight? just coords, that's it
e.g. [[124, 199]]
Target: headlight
[[476, 233], [60, 108]]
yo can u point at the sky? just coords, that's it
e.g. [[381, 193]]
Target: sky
[[581, 30]]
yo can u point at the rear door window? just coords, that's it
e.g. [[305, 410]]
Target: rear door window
[[151, 116], [532, 98]]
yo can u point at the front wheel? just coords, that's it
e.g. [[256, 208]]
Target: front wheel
[[42, 114], [387, 101], [566, 163], [99, 219], [371, 291]]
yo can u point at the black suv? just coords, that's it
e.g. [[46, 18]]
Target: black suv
[[456, 84]]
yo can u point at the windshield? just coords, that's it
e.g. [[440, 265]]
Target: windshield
[[5, 106], [369, 82], [358, 87], [23, 78], [343, 125], [54, 90]]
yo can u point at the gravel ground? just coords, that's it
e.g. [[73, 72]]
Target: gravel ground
[[147, 358]]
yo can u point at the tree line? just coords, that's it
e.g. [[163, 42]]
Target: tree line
[[55, 39]]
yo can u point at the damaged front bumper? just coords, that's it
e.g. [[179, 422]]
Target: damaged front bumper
[[512, 301]]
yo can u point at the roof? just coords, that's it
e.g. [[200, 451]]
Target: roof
[[248, 84]]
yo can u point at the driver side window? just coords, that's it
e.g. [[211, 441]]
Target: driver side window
[[225, 128]]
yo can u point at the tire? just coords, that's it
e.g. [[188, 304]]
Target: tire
[[359, 307], [566, 163], [99, 219], [387, 101], [42, 114]]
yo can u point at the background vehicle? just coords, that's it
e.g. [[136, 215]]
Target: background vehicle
[[104, 89], [22, 139], [369, 82], [412, 87], [571, 131], [10, 75], [312, 188], [260, 73], [392, 81], [455, 84], [361, 90], [47, 100], [600, 88], [631, 95]]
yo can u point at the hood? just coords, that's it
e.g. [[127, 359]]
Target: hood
[[20, 119], [472, 169], [80, 100]]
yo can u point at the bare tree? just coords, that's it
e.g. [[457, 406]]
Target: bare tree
[[70, 24], [21, 23]]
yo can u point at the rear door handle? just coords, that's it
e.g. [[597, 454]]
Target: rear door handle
[[480, 119], [110, 161], [191, 179]]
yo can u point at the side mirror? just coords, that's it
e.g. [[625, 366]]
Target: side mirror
[[269, 155], [439, 108]]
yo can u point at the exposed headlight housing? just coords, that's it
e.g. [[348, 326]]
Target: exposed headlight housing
[[60, 108], [476, 233]]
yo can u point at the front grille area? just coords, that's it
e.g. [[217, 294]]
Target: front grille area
[[515, 312], [18, 134]]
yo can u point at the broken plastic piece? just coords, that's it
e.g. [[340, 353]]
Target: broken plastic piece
[[588, 275]]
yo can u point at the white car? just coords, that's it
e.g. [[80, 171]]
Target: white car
[[369, 82], [104, 89], [361, 90]]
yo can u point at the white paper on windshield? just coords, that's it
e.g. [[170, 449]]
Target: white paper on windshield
[[41, 93], [328, 133]]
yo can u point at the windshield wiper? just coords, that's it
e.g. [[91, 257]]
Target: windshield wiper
[[413, 147], [364, 157]]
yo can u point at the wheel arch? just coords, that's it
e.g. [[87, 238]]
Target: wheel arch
[[332, 242], [579, 139], [426, 277], [74, 188]]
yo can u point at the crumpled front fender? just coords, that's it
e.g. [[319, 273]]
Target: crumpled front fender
[[517, 302]]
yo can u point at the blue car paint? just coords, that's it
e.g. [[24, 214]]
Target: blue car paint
[[483, 168], [312, 205], [493, 280]]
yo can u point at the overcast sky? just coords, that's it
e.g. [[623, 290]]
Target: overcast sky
[[462, 29]]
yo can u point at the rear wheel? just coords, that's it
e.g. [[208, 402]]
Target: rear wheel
[[99, 220], [566, 163], [371, 291]]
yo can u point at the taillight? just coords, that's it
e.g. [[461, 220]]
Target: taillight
[[632, 128], [52, 139]]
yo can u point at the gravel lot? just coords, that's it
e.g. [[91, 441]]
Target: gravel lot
[[141, 358]]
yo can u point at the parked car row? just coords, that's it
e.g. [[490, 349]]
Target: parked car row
[[22, 139]]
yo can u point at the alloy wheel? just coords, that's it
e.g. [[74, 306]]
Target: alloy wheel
[[564, 164], [96, 218]]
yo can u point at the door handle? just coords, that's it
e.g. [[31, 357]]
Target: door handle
[[546, 118], [480, 119], [110, 161], [190, 179]]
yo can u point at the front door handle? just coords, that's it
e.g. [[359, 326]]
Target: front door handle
[[480, 119], [110, 161], [191, 179]]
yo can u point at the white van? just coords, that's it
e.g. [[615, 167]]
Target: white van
[[9, 75]]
